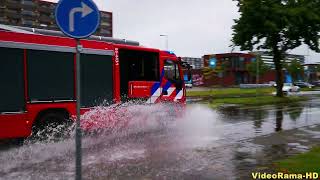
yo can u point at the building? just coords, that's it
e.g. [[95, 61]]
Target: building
[[312, 72], [196, 63], [231, 69], [40, 14], [267, 58]]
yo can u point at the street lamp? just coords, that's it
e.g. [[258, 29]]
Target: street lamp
[[167, 40]]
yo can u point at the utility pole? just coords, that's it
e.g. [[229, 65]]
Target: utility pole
[[257, 76], [258, 71]]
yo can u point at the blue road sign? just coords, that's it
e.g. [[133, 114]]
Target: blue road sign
[[77, 18]]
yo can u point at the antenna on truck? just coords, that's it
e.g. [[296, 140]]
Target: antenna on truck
[[28, 30]]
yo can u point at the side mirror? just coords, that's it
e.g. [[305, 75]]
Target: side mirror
[[189, 73], [189, 76], [188, 67]]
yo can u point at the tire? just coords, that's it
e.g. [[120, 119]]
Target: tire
[[52, 126]]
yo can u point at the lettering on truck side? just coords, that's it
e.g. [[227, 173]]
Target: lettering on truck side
[[116, 51]]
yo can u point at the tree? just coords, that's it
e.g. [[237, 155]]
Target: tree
[[295, 69], [318, 68], [277, 25], [260, 71]]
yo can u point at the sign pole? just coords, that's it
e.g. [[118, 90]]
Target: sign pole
[[83, 20], [257, 76], [78, 127]]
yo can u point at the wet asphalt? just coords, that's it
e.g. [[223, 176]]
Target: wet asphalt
[[228, 143]]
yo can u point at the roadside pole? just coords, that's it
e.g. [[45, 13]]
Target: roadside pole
[[78, 27], [257, 76], [167, 40], [78, 127]]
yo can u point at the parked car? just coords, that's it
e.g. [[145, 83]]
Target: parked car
[[189, 85], [315, 83], [273, 83], [289, 87], [303, 84]]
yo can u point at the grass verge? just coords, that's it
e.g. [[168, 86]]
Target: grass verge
[[231, 92], [302, 163], [256, 101]]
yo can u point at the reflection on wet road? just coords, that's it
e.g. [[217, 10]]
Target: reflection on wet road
[[228, 143]]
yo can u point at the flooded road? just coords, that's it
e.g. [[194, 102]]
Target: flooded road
[[228, 143]]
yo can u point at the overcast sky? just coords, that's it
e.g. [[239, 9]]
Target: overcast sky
[[194, 27]]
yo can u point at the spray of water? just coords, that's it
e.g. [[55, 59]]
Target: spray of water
[[121, 132], [198, 126], [129, 117]]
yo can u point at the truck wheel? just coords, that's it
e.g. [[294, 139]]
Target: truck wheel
[[52, 126], [19, 141], [14, 142]]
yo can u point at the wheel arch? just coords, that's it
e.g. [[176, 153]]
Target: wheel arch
[[44, 112]]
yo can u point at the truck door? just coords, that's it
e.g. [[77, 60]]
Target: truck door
[[172, 83], [139, 76]]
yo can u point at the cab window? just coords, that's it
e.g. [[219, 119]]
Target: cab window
[[171, 71]]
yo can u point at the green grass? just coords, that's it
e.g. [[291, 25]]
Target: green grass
[[307, 162], [256, 101], [231, 92]]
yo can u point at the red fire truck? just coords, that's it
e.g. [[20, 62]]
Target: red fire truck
[[37, 77]]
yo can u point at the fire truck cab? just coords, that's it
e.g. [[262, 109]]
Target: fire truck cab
[[37, 77]]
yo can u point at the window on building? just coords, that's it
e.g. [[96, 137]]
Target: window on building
[[27, 13], [27, 22], [227, 63], [235, 62], [242, 63]]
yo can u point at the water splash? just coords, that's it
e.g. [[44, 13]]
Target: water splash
[[199, 125], [129, 117], [125, 132]]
